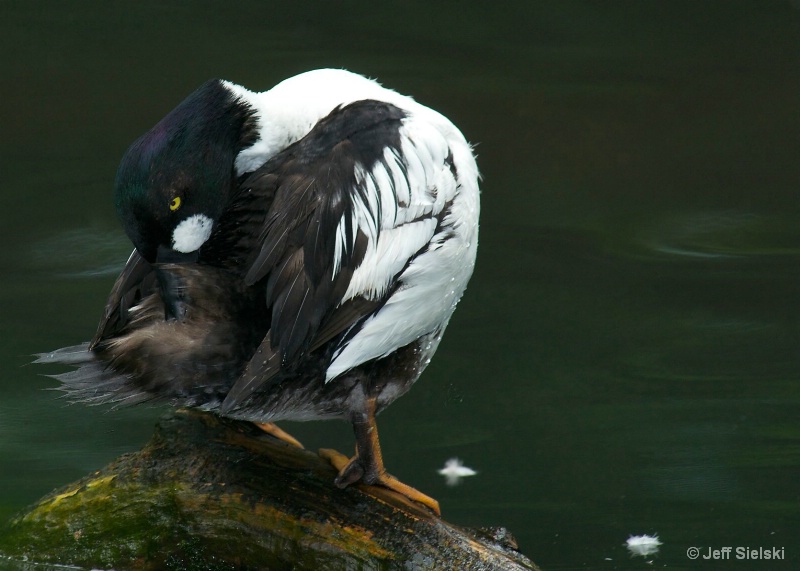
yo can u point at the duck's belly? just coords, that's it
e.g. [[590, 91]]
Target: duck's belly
[[307, 396]]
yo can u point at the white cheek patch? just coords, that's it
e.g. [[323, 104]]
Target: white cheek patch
[[191, 233]]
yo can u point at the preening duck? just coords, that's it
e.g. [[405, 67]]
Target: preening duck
[[298, 255]]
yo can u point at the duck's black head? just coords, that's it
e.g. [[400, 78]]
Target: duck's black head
[[175, 180]]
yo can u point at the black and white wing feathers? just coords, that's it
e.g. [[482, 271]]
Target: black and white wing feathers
[[355, 201]]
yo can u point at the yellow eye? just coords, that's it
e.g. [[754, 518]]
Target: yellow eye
[[175, 203]]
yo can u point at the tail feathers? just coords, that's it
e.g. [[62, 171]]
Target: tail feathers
[[93, 382], [75, 355]]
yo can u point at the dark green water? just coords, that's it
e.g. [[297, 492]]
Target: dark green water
[[627, 357]]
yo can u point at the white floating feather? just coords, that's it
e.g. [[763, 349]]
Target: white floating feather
[[454, 470], [643, 545]]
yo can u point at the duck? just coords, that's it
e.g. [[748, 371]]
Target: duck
[[298, 254]]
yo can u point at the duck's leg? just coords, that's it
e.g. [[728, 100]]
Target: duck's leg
[[273, 429], [367, 464]]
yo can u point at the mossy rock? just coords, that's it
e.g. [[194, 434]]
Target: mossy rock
[[210, 493]]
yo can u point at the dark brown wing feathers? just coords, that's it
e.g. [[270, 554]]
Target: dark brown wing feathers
[[136, 282]]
